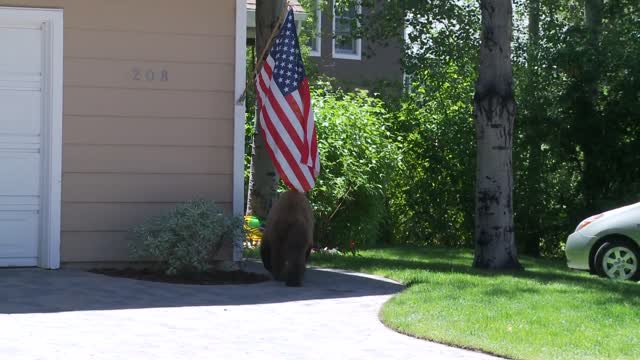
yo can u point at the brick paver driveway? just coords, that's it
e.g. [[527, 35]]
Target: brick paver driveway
[[71, 314]]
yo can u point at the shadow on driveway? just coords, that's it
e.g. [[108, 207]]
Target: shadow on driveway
[[31, 291]]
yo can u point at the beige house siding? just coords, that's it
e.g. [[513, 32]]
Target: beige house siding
[[134, 148]]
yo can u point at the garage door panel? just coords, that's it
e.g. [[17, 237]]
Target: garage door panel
[[19, 203], [20, 175], [11, 81], [26, 50], [21, 112], [19, 233]]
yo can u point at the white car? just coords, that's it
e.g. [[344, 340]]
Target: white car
[[607, 244]]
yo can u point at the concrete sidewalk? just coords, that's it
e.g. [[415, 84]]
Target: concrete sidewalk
[[70, 314]]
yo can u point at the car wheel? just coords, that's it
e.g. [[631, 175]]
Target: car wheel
[[618, 259]]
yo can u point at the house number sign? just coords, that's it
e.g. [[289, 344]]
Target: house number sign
[[138, 74]]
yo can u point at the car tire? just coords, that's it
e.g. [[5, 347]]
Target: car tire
[[618, 259]]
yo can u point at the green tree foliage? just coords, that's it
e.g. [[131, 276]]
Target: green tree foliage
[[577, 134], [432, 199], [358, 158], [433, 191], [577, 138], [600, 103]]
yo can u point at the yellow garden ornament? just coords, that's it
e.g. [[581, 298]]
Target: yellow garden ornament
[[253, 228]]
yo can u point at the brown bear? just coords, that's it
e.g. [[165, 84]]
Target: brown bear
[[288, 238]]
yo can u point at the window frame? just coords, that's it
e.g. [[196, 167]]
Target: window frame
[[318, 29], [358, 42]]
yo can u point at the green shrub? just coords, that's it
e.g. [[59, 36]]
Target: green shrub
[[357, 158], [186, 239], [432, 192]]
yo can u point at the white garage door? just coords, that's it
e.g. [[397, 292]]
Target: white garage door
[[21, 115]]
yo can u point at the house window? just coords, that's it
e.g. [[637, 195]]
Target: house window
[[345, 44], [315, 43]]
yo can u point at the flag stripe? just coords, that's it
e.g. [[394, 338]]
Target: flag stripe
[[281, 164], [284, 135], [285, 151], [308, 124], [293, 111], [299, 103], [286, 116], [284, 142]]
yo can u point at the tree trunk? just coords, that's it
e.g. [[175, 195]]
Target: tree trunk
[[594, 175], [532, 231], [593, 19], [495, 110], [263, 178]]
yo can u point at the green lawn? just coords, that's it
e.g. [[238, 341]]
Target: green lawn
[[545, 312]]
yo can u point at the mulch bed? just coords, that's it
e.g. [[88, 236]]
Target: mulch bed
[[209, 278]]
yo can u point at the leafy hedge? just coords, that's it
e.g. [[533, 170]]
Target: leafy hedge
[[358, 158]]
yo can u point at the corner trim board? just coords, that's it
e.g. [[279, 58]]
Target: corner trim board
[[239, 116]]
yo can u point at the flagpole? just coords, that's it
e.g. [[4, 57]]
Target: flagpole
[[261, 59]]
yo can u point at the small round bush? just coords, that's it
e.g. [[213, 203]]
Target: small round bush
[[186, 239]]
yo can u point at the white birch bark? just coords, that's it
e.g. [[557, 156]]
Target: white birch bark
[[495, 110]]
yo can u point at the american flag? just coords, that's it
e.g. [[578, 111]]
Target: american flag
[[286, 117]]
